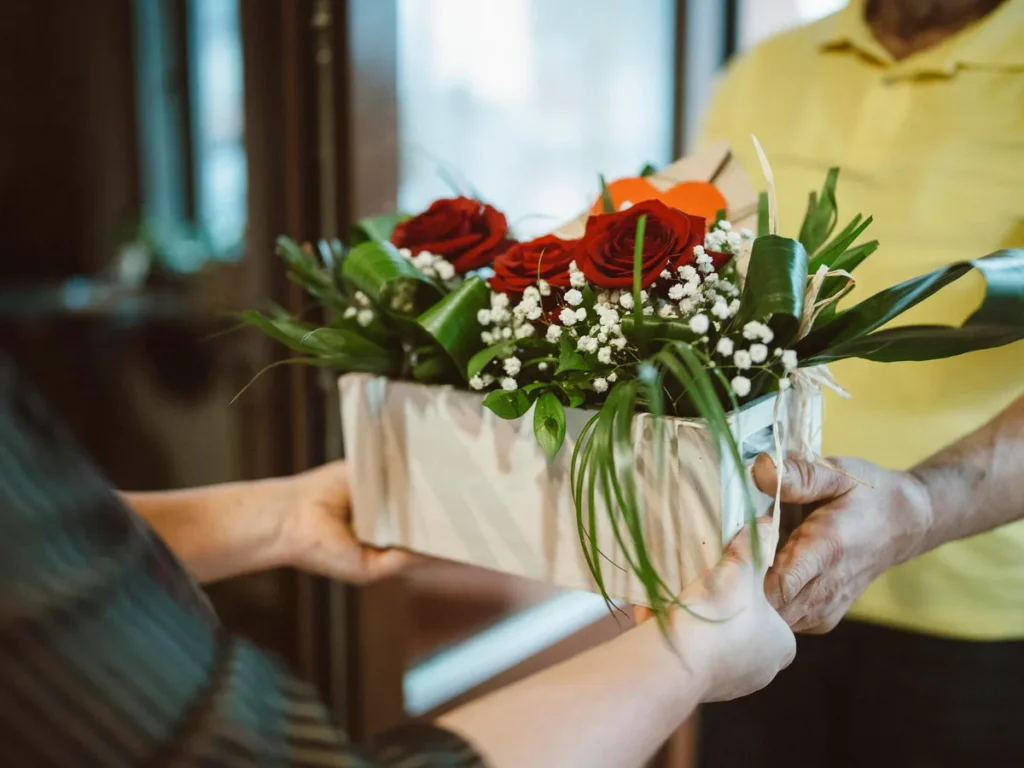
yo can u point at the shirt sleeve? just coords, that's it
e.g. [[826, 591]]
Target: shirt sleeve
[[110, 655]]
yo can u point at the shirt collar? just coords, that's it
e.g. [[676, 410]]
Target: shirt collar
[[994, 42]]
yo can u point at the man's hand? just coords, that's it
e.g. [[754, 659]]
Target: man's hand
[[862, 521], [729, 634], [316, 530]]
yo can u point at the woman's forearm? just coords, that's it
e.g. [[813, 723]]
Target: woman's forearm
[[218, 531], [614, 706]]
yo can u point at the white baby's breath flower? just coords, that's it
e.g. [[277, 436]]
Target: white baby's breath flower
[[500, 315], [542, 366], [666, 275], [488, 379], [487, 337], [758, 353], [699, 324], [741, 359], [602, 337], [720, 310], [554, 332], [512, 365], [544, 287], [784, 384], [445, 270], [476, 383], [734, 307], [573, 297], [648, 310], [364, 317], [587, 344], [600, 385], [741, 386], [746, 234], [509, 385], [524, 331], [725, 347], [675, 292], [506, 333], [576, 278], [567, 316], [626, 205], [626, 300], [725, 224], [619, 342], [604, 355], [362, 299], [690, 287], [612, 377], [687, 307], [405, 252], [483, 317], [581, 315], [531, 294], [752, 330], [733, 241], [350, 312], [789, 361], [667, 311], [499, 301], [534, 313], [688, 272], [643, 296]]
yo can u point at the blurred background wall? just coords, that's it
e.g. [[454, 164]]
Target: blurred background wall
[[151, 151]]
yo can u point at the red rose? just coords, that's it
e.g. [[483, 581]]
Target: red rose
[[605, 253], [546, 257], [466, 232]]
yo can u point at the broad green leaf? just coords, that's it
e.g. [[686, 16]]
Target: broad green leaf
[[382, 273], [821, 216], [433, 369], [573, 395], [998, 321], [376, 228], [549, 424], [720, 215], [570, 358], [507, 405], [607, 204], [773, 291], [452, 322], [480, 360]]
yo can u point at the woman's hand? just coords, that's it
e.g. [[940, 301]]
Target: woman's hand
[[729, 633], [316, 528]]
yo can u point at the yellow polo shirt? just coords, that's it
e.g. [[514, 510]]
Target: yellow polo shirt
[[933, 147]]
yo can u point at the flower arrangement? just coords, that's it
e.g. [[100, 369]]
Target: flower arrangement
[[654, 308]]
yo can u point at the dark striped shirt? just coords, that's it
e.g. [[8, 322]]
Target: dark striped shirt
[[110, 655]]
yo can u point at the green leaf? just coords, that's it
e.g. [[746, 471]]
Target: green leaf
[[834, 251], [720, 215], [607, 204], [452, 322], [376, 228], [570, 358], [773, 291], [638, 273], [433, 369], [549, 424], [648, 170], [821, 215], [762, 215], [998, 321], [480, 360], [377, 269], [507, 405], [658, 329], [573, 395]]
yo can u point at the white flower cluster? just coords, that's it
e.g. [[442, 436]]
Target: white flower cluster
[[362, 313], [724, 239], [433, 266], [752, 352]]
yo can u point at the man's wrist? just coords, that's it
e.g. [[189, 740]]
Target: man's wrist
[[918, 502]]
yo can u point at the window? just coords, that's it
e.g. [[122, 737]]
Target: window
[[760, 19], [480, 103], [190, 112]]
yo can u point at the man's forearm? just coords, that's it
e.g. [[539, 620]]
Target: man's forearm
[[611, 706], [218, 531], [977, 483]]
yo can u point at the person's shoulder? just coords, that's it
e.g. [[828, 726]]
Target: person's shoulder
[[783, 55]]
